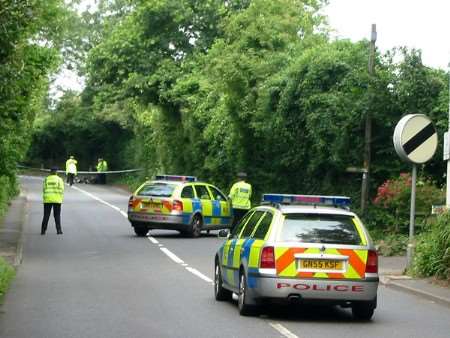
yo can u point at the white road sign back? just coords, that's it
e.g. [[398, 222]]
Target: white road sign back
[[415, 138]]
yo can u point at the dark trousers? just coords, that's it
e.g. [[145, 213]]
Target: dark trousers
[[56, 214], [101, 178], [70, 178], [237, 215]]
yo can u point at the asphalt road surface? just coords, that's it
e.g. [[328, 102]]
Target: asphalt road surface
[[100, 280]]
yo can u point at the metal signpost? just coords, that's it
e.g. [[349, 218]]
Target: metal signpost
[[415, 141]]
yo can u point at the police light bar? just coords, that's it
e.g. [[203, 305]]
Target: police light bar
[[340, 201], [176, 178]]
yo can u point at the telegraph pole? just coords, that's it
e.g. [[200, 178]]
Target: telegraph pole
[[368, 129], [447, 201]]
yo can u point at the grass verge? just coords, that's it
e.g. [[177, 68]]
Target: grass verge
[[7, 273]]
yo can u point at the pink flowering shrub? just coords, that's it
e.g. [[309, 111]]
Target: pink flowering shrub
[[391, 205]]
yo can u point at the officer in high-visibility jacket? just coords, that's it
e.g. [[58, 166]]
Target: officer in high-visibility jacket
[[102, 166], [240, 194], [71, 169], [53, 192]]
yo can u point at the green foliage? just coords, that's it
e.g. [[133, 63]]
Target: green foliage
[[432, 255], [7, 273], [214, 87], [8, 189], [390, 243], [31, 35], [391, 205]]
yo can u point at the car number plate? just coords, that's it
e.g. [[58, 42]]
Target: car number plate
[[321, 264], [151, 205]]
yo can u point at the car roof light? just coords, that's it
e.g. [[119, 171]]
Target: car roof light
[[341, 201], [179, 178]]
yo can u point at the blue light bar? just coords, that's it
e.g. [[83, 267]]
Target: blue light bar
[[179, 178], [340, 201], [176, 178]]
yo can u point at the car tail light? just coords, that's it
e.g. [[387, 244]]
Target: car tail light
[[372, 262], [267, 258], [130, 201], [177, 205]]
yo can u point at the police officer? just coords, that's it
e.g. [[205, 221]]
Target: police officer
[[53, 192], [240, 194], [71, 169], [102, 166]]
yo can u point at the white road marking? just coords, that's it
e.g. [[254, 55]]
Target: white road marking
[[199, 274], [281, 329], [172, 256], [278, 327], [153, 240], [100, 200]]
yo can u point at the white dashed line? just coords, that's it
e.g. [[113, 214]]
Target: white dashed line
[[281, 329], [153, 240], [172, 256], [199, 274], [278, 327], [101, 201]]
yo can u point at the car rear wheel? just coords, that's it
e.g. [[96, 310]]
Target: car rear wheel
[[220, 293], [196, 226], [363, 310], [245, 309], [140, 230]]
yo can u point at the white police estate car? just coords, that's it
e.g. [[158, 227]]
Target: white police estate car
[[299, 248], [182, 203]]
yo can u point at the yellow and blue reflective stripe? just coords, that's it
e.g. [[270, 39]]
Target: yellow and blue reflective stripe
[[216, 209]]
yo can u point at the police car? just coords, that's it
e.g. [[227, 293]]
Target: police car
[[299, 248], [178, 203]]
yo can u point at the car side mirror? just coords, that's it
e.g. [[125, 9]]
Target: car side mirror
[[223, 233]]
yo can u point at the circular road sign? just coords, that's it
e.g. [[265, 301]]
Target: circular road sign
[[415, 138]]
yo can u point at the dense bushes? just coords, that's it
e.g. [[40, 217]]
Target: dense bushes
[[389, 215], [390, 211], [432, 256], [31, 35]]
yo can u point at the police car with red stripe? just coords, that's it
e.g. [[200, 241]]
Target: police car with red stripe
[[299, 248]]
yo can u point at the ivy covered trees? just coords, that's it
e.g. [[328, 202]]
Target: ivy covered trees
[[209, 88], [31, 38]]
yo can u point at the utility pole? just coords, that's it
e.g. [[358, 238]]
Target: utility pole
[[447, 201], [368, 128]]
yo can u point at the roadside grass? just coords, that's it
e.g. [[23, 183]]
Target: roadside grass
[[7, 273]]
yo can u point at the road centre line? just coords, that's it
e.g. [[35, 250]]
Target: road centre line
[[278, 327], [199, 274], [172, 256], [168, 253], [281, 329], [152, 239], [100, 200]]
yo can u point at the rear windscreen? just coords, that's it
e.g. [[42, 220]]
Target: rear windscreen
[[157, 189], [320, 228]]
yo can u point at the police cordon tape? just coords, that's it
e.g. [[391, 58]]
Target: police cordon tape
[[84, 172]]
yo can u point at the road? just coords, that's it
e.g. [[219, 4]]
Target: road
[[99, 280]]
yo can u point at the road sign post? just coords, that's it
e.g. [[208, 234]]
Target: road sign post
[[415, 141]]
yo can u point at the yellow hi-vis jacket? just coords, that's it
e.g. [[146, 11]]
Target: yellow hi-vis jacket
[[240, 195], [102, 166], [71, 166], [53, 189]]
